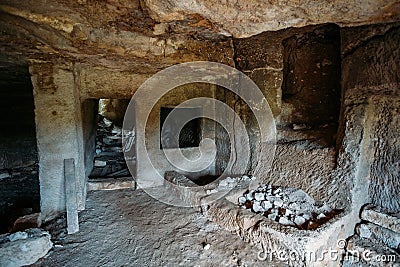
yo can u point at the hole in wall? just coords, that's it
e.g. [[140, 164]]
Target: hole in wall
[[311, 80], [190, 134], [108, 159], [19, 179]]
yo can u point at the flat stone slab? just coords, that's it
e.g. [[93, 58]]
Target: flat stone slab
[[382, 218], [110, 184], [380, 234], [24, 248]]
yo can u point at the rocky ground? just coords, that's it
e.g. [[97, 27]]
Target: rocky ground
[[129, 228]]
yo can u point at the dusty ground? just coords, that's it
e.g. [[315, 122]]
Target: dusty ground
[[129, 228]]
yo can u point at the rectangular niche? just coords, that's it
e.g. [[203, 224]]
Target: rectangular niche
[[190, 134]]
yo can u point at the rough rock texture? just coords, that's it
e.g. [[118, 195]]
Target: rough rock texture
[[382, 218], [24, 248], [252, 17], [145, 232], [370, 117], [310, 172]]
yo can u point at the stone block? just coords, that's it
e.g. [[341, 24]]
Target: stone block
[[27, 221], [375, 216], [24, 248]]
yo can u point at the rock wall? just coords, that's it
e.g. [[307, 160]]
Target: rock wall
[[370, 110]]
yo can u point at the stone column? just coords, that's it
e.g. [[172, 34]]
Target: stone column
[[59, 133]]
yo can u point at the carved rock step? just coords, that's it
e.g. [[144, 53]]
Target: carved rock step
[[382, 218], [380, 234]]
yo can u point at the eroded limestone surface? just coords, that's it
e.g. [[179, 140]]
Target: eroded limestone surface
[[129, 228]]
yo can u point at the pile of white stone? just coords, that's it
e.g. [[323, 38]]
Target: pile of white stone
[[287, 206], [229, 183]]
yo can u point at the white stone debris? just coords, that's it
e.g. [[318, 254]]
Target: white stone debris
[[207, 247], [257, 207], [100, 163], [107, 122], [245, 178], [299, 220], [212, 191], [242, 200], [285, 221], [278, 202], [297, 127], [266, 205], [272, 216], [249, 196], [4, 175], [288, 206], [259, 196]]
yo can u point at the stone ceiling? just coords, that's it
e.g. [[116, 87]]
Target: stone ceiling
[[148, 35]]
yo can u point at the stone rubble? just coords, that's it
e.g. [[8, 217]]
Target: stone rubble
[[287, 206], [229, 183]]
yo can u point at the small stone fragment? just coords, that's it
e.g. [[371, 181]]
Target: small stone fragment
[[321, 216], [288, 212], [223, 183], [299, 220], [259, 196], [285, 221], [277, 191], [257, 207], [266, 205], [241, 200], [293, 206], [100, 163], [249, 196], [17, 236], [272, 216], [278, 202], [245, 178], [306, 216], [4, 175], [212, 191], [325, 209]]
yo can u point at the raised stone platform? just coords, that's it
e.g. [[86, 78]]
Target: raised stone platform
[[296, 247]]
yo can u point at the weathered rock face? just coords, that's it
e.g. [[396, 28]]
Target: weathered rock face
[[247, 18], [158, 33], [370, 108]]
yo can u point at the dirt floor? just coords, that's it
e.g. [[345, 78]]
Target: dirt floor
[[129, 228]]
